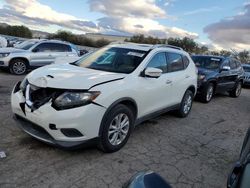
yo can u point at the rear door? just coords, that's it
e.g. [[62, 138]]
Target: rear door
[[178, 76], [60, 50]]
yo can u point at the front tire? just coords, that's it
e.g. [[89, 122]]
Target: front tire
[[207, 94], [186, 104], [18, 67], [237, 90], [117, 127]]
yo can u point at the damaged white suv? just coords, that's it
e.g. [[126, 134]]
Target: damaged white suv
[[105, 94]]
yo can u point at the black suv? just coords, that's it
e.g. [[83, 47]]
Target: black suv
[[218, 74]]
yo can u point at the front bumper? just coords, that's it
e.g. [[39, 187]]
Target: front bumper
[[4, 62], [247, 82], [42, 135], [86, 119]]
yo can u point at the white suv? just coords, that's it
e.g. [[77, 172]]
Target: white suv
[[105, 94]]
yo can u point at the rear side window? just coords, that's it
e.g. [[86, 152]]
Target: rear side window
[[175, 62], [159, 61], [185, 61], [56, 47]]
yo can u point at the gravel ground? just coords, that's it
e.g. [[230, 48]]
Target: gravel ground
[[194, 152]]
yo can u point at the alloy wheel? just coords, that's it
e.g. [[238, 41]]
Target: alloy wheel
[[238, 89], [19, 67], [118, 129], [210, 92], [187, 104]]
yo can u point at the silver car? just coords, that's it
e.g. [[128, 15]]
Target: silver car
[[246, 68], [34, 53]]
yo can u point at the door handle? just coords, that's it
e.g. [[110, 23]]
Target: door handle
[[168, 82], [187, 76]]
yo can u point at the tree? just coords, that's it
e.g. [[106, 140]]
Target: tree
[[17, 31], [244, 56]]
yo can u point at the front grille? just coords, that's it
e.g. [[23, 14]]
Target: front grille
[[37, 96]]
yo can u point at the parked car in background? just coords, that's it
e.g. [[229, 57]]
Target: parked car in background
[[218, 74], [34, 53], [104, 95], [246, 68]]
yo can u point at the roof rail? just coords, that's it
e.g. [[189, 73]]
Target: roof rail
[[166, 46]]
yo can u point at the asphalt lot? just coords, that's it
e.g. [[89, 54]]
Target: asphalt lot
[[194, 152]]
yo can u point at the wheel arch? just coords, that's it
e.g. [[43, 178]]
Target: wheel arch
[[22, 58], [127, 101], [192, 89]]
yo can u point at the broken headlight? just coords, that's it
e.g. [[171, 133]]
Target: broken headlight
[[72, 99]]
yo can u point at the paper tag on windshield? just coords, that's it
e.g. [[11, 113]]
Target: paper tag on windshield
[[136, 54], [214, 59]]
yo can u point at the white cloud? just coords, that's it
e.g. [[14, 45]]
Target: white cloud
[[130, 8], [233, 32], [121, 17], [202, 10]]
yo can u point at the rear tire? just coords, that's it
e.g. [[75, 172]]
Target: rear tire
[[207, 93], [186, 104], [18, 67], [117, 127], [237, 90]]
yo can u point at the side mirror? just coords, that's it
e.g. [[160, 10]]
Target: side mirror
[[225, 68], [152, 72]]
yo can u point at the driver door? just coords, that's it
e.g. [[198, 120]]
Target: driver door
[[41, 55], [156, 91]]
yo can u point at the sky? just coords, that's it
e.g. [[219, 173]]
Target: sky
[[215, 23]]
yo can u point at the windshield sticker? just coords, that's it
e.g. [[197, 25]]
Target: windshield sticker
[[214, 59], [136, 54]]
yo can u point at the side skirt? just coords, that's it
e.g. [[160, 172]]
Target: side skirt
[[156, 114]]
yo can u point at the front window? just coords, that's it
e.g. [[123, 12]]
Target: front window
[[246, 69], [113, 59], [26, 45], [211, 63]]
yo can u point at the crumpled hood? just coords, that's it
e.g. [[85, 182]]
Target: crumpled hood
[[66, 76], [11, 50]]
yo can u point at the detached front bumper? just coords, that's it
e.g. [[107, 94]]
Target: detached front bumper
[[66, 128]]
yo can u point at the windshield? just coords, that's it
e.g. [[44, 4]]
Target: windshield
[[113, 59], [246, 69], [26, 45], [207, 62]]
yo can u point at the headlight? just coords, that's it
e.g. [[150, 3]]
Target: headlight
[[74, 99], [201, 77], [24, 84], [4, 54]]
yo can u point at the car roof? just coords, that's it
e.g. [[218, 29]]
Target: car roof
[[209, 56], [145, 47]]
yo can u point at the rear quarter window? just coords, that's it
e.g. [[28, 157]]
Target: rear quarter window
[[175, 62]]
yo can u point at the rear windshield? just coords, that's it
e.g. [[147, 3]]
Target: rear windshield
[[207, 62], [246, 69], [113, 59]]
